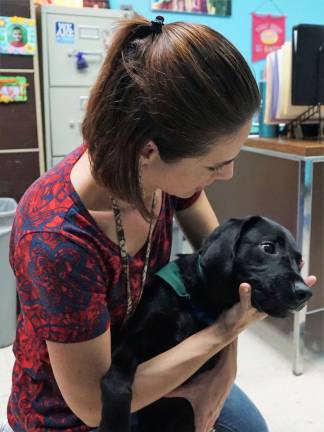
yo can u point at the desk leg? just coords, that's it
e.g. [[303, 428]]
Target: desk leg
[[304, 219]]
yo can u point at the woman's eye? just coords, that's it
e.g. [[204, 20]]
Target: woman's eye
[[214, 169], [268, 248]]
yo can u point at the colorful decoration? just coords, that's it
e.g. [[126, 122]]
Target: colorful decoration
[[68, 3], [96, 3], [268, 34], [17, 35], [208, 7], [13, 89]]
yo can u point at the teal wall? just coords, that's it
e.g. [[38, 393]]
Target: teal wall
[[237, 28]]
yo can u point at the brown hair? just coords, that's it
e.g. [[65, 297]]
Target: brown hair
[[184, 88]]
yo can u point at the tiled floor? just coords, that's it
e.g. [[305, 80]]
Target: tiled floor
[[289, 403]]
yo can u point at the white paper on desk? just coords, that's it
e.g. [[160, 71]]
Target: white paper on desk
[[278, 106], [275, 88], [285, 110], [269, 80]]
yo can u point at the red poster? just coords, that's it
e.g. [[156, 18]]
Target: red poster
[[268, 34]]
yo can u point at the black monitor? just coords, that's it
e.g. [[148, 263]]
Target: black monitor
[[308, 64]]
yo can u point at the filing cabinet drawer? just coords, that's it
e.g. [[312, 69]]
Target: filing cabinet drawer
[[67, 110], [69, 34], [65, 32]]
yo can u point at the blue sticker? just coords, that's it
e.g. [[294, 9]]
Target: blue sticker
[[64, 32]]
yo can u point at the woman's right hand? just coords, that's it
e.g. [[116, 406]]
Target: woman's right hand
[[236, 319]]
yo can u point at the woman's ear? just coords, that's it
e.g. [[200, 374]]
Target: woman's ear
[[149, 152]]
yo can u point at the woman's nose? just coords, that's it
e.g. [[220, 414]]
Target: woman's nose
[[226, 173]]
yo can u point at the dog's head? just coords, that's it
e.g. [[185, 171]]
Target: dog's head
[[261, 252]]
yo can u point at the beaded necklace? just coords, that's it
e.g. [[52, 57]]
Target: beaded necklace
[[125, 258]]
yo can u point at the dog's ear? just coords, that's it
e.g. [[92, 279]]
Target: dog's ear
[[219, 249]]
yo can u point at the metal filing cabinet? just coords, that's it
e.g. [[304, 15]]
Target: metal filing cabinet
[[65, 33]]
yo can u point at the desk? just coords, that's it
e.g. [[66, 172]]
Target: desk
[[306, 153]]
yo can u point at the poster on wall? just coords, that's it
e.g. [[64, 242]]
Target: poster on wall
[[96, 3], [68, 3], [268, 34], [207, 7], [13, 89], [17, 35]]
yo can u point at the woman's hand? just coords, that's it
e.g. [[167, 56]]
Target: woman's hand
[[240, 316], [310, 281], [208, 391]]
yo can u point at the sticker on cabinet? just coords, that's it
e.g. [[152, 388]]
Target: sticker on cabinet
[[64, 32]]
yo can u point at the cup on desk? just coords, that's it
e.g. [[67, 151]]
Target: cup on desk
[[265, 130]]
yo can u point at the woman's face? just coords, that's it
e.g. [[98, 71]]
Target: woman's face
[[187, 176]]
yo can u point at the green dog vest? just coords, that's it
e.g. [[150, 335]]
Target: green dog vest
[[170, 273]]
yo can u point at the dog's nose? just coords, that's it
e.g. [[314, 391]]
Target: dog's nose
[[302, 294]]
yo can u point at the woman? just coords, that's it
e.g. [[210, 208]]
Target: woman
[[167, 116]]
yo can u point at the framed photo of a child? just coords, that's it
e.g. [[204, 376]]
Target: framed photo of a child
[[17, 35], [13, 89]]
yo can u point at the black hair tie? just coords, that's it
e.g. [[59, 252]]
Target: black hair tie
[[157, 25]]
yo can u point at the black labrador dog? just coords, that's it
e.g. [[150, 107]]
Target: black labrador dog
[[252, 249]]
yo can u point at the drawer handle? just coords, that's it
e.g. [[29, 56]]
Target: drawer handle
[[74, 53]]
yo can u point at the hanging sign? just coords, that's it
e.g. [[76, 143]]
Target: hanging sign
[[17, 35], [268, 34], [13, 89]]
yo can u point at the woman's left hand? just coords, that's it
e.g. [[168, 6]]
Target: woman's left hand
[[309, 280], [208, 391]]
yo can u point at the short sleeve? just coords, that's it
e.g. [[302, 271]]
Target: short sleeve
[[61, 287], [184, 203]]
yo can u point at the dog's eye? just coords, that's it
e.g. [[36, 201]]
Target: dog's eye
[[268, 247]]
